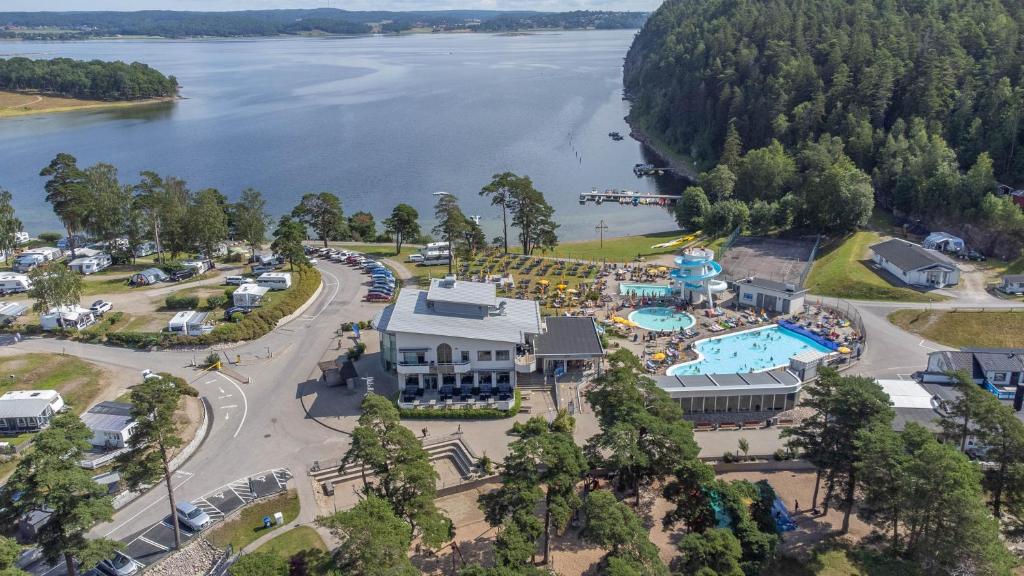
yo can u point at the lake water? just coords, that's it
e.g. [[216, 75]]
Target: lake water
[[377, 120]]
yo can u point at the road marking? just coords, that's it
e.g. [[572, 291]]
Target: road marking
[[227, 416], [245, 403], [904, 376], [221, 389], [154, 503], [154, 544], [330, 300], [923, 345], [209, 382], [224, 396], [230, 406]]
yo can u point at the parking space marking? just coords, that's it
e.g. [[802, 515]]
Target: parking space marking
[[154, 544], [154, 503]]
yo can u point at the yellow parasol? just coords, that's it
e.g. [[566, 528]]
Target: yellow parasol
[[562, 286], [843, 350], [658, 357], [543, 282]]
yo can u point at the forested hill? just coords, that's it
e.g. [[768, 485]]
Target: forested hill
[[915, 89], [92, 80], [176, 24]]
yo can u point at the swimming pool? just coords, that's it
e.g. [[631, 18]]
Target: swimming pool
[[650, 290], [661, 318], [752, 351]]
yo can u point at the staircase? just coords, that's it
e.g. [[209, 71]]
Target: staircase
[[450, 448]]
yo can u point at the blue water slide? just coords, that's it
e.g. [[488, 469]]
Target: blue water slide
[[715, 267]]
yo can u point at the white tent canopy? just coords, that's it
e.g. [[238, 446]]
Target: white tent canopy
[[943, 241]]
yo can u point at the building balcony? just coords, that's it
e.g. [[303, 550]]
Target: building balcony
[[526, 363], [414, 367], [460, 367]]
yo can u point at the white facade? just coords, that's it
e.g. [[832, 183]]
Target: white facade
[[428, 361], [249, 295], [936, 275], [275, 280], [14, 282], [91, 264], [67, 317]]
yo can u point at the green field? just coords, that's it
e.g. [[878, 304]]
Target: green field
[[997, 329], [294, 541], [843, 272], [248, 526], [78, 381], [840, 563]]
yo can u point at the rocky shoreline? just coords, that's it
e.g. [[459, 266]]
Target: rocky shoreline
[[679, 164]]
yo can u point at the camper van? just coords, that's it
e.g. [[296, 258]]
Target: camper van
[[21, 238], [29, 259], [91, 264], [145, 249], [275, 280], [11, 283]]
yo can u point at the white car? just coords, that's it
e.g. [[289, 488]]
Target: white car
[[192, 517], [416, 258], [99, 307], [313, 261], [238, 280], [119, 565]]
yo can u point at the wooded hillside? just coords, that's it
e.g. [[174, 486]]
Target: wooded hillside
[[92, 80], [919, 92]]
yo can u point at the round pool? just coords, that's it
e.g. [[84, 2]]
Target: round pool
[[661, 318]]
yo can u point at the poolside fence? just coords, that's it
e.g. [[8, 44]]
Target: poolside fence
[[810, 262], [848, 311]]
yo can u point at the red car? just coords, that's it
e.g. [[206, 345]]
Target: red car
[[377, 297]]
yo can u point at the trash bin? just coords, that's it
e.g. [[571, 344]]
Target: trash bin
[[267, 523], [328, 488], [278, 518]]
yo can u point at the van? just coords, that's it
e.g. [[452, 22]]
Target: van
[[275, 280]]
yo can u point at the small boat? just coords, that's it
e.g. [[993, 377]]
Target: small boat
[[615, 136]]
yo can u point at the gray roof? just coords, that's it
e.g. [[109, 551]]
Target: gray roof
[[569, 336], [1013, 277], [412, 313], [1008, 361], [909, 256], [753, 380], [462, 292], [23, 407], [772, 285], [105, 422], [116, 408]]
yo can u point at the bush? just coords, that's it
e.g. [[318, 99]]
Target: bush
[[234, 257], [356, 352], [115, 317], [729, 458], [216, 301], [237, 317], [781, 455], [212, 359], [50, 237], [181, 302]]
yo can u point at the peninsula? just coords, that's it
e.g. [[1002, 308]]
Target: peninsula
[[30, 86]]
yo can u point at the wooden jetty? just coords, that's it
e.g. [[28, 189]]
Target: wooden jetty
[[627, 198]]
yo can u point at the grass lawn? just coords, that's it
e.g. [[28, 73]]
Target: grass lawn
[[844, 272], [78, 381], [618, 249], [22, 103], [840, 563], [292, 542], [248, 526], [999, 329]]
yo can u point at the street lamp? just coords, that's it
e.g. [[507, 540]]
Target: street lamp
[[448, 232]]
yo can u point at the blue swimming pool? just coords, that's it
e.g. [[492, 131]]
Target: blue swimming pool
[[649, 290], [753, 351], [661, 318]]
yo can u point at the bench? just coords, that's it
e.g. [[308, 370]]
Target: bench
[[752, 424], [728, 426], [785, 421]]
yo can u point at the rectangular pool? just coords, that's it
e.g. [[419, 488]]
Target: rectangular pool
[[649, 290]]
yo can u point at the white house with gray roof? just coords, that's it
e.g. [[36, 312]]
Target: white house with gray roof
[[24, 410], [916, 265], [457, 335]]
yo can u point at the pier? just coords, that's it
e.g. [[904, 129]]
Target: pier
[[627, 198]]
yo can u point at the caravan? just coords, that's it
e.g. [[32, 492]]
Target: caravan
[[275, 280], [91, 264], [29, 259], [12, 283], [190, 322]]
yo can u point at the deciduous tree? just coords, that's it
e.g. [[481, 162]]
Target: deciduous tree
[[288, 237], [322, 212], [251, 220], [363, 227], [403, 225], [54, 285], [9, 226], [208, 220]]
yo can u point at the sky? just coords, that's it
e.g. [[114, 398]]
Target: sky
[[542, 5]]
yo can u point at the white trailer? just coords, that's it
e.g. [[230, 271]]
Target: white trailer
[[13, 283]]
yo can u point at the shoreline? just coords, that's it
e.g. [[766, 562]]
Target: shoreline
[[73, 104], [681, 164]]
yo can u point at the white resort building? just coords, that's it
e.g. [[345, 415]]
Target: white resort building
[[458, 343]]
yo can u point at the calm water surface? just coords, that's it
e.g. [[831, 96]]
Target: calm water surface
[[378, 120]]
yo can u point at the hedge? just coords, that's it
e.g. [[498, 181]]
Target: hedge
[[181, 302], [461, 413]]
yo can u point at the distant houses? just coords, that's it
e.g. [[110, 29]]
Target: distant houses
[[915, 265]]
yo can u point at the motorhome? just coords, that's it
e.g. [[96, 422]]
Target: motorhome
[[91, 264], [29, 259], [275, 280], [67, 317], [21, 238], [200, 266], [11, 283]]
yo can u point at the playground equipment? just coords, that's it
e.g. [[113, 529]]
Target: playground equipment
[[695, 275]]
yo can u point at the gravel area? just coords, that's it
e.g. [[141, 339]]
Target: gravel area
[[196, 558]]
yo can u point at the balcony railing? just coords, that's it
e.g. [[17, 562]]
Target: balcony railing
[[449, 367]]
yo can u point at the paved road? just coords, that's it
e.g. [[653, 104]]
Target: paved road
[[255, 426]]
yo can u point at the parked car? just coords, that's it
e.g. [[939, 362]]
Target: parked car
[[182, 274], [119, 565], [382, 292], [99, 307], [416, 258], [238, 280], [231, 311], [378, 297], [192, 516], [975, 255]]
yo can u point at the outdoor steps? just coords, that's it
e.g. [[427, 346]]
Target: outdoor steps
[[452, 449]]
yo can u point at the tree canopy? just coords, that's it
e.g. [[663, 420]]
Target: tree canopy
[[92, 80]]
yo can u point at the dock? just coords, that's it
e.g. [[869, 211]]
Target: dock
[[627, 198]]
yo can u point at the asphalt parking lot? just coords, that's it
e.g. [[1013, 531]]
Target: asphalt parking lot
[[155, 542]]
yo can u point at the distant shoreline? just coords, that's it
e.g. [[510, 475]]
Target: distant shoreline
[[18, 104]]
